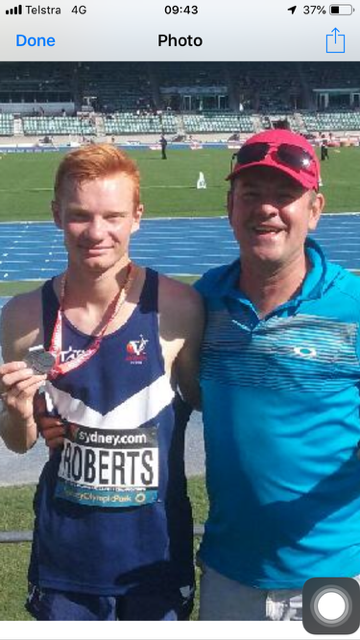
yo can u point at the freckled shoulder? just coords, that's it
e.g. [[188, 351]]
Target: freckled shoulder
[[21, 324]]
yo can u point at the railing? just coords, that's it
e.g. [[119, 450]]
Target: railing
[[8, 537], [16, 536]]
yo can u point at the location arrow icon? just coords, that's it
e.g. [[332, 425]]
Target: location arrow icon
[[292, 9]]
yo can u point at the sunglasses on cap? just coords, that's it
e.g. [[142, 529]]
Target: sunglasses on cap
[[288, 155]]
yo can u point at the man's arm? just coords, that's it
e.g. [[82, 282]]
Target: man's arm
[[19, 330], [188, 360], [181, 329]]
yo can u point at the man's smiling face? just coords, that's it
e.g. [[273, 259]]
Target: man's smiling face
[[271, 215]]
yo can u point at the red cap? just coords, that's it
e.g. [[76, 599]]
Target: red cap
[[308, 175]]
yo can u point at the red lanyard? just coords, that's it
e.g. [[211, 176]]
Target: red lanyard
[[56, 340]]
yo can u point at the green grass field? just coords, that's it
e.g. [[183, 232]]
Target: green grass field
[[16, 514], [168, 187]]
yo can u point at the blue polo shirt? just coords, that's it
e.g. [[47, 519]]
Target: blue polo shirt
[[281, 416]]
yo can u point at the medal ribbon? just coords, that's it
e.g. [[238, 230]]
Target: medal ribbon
[[56, 340]]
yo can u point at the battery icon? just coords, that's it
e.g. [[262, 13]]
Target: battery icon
[[341, 9]]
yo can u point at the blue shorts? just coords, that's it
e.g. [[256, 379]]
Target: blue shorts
[[49, 604]]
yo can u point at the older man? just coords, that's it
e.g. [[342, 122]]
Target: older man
[[280, 377]]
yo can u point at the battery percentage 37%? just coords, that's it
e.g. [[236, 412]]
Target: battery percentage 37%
[[310, 9]]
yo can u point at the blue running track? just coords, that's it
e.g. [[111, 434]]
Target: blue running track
[[185, 246], [177, 246]]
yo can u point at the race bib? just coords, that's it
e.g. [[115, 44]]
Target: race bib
[[109, 468]]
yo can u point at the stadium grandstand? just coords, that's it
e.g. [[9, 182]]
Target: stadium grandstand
[[70, 103]]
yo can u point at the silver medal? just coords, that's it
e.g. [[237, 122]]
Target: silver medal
[[39, 360]]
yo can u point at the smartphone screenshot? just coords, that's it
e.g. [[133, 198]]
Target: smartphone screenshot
[[180, 319]]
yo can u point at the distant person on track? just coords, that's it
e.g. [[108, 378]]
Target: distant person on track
[[163, 144], [324, 148], [113, 534], [280, 379]]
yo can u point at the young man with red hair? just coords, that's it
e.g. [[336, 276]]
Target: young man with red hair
[[113, 526]]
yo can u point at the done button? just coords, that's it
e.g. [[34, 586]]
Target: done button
[[31, 41]]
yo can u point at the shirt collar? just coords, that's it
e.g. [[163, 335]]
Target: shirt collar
[[312, 286]]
